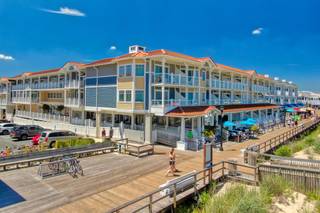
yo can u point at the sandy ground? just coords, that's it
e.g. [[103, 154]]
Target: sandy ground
[[295, 203]]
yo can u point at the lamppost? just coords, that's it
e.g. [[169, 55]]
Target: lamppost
[[283, 115], [221, 108]]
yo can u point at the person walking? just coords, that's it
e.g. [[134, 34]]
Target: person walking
[[172, 161], [103, 134], [110, 133]]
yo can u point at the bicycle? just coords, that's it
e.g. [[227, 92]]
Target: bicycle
[[73, 167]]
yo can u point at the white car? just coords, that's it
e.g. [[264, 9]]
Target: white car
[[5, 128], [51, 137]]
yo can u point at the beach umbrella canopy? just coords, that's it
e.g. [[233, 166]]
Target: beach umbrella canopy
[[251, 120], [228, 124], [247, 123], [290, 110]]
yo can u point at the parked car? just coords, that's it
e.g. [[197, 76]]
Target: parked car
[[51, 137], [5, 128], [24, 132]]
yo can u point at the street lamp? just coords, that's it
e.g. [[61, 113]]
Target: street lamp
[[283, 115], [221, 108]]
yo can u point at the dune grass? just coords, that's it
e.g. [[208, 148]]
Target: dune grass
[[312, 140], [240, 198]]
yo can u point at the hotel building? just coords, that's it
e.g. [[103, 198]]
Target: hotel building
[[158, 95], [308, 98]]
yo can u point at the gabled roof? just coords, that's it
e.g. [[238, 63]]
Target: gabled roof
[[189, 111], [142, 54], [233, 69], [44, 72]]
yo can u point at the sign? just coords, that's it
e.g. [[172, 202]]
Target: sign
[[207, 155]]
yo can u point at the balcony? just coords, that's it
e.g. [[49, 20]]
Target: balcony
[[175, 79], [260, 89], [48, 85], [225, 84], [3, 102], [215, 83], [20, 87], [73, 84], [25, 100], [3, 90], [240, 86], [73, 102]]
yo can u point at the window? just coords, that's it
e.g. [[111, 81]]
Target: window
[[128, 96], [125, 70], [203, 75], [122, 71], [140, 70], [128, 70], [139, 96], [121, 95], [124, 95]]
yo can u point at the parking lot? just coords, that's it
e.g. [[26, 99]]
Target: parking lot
[[5, 140]]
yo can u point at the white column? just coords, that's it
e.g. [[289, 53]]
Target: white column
[[148, 128], [220, 81], [112, 119], [182, 131], [199, 127], [163, 81], [132, 121], [133, 94], [232, 89]]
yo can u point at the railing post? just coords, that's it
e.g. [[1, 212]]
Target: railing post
[[175, 196], [150, 203]]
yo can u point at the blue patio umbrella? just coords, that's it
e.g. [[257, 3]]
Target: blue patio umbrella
[[290, 110], [251, 120], [228, 124], [247, 123]]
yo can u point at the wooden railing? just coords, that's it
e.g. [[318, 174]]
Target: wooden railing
[[301, 179], [35, 158], [156, 201], [270, 144]]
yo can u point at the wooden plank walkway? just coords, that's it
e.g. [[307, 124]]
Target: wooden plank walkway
[[109, 180]]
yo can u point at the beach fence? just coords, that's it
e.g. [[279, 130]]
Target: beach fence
[[301, 179]]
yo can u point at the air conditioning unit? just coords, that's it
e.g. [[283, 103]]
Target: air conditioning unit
[[276, 78], [136, 48], [266, 75]]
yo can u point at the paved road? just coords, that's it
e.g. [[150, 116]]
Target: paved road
[[5, 140]]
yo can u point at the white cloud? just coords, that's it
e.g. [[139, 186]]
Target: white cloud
[[113, 48], [6, 57], [66, 11], [257, 31]]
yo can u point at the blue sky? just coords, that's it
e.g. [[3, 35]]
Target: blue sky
[[276, 37]]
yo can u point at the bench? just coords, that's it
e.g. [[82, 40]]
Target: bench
[[140, 150], [182, 183]]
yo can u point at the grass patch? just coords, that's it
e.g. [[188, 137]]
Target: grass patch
[[274, 186], [284, 151], [73, 142], [312, 140], [239, 198]]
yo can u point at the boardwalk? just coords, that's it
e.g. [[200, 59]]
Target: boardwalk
[[109, 179]]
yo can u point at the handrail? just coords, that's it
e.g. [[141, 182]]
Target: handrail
[[220, 166], [262, 146]]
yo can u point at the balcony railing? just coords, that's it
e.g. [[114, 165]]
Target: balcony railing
[[49, 85], [175, 79], [25, 99], [73, 102], [3, 90], [260, 88], [73, 84], [226, 84], [3, 102], [42, 116]]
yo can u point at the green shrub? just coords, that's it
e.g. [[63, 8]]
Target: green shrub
[[283, 151], [296, 147], [73, 142], [274, 186], [237, 198], [316, 147]]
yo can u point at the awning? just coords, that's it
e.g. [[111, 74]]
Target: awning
[[190, 111], [248, 107]]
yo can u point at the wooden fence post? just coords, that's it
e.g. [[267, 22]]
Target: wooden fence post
[[150, 204], [175, 196]]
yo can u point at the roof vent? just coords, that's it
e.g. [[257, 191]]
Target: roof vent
[[283, 80], [136, 48], [266, 75], [276, 78], [290, 82]]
